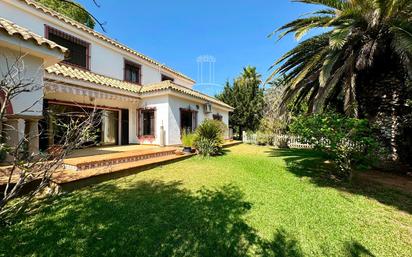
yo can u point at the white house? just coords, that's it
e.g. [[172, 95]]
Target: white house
[[144, 102]]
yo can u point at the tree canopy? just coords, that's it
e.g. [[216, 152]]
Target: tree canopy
[[72, 10], [359, 64], [246, 96], [359, 37]]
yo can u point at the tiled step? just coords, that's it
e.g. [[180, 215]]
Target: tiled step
[[68, 180], [105, 160]]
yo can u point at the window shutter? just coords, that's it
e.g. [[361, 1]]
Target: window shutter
[[152, 124], [140, 75], [194, 121], [139, 122]]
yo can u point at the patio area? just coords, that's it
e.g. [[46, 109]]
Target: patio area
[[88, 163], [103, 164], [99, 150], [92, 165], [95, 164], [96, 157]]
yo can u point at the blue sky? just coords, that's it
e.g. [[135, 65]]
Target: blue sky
[[177, 32]]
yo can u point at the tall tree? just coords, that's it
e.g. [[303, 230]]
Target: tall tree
[[246, 96], [274, 122], [71, 9], [361, 62]]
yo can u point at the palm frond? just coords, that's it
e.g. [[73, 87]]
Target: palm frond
[[366, 54], [350, 104], [327, 67], [300, 25], [325, 91], [402, 45], [338, 38], [323, 69], [335, 4]]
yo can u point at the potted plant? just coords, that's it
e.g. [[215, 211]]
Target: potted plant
[[187, 141]]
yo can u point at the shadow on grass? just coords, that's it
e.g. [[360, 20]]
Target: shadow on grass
[[355, 249], [144, 219], [311, 164]]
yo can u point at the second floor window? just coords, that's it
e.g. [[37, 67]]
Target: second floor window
[[132, 72], [78, 49], [164, 77]]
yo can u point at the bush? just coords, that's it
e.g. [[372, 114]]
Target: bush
[[208, 147], [282, 142], [263, 138], [188, 139], [348, 141], [209, 137]]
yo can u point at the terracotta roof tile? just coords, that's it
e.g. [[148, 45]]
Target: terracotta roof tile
[[166, 85], [84, 75], [14, 30], [88, 76]]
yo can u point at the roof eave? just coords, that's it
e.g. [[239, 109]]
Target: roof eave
[[51, 77], [168, 90], [49, 55]]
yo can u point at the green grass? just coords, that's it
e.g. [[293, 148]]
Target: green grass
[[251, 201]]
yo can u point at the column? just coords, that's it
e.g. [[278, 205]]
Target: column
[[11, 133], [33, 136], [133, 125], [120, 129]]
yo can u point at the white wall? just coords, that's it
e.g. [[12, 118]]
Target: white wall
[[175, 103], [106, 59], [161, 116], [225, 118], [28, 70]]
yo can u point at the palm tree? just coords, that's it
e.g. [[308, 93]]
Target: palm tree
[[361, 61]]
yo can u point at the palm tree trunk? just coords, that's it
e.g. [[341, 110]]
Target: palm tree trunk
[[381, 101]]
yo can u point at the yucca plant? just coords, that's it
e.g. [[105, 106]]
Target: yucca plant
[[209, 137], [188, 139], [360, 63]]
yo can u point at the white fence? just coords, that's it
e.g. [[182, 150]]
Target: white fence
[[276, 140], [289, 141], [249, 138]]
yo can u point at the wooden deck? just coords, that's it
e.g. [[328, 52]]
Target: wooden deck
[[88, 166], [68, 180]]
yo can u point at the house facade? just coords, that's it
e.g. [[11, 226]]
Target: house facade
[[143, 101]]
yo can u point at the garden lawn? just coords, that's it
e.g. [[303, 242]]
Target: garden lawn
[[252, 201]]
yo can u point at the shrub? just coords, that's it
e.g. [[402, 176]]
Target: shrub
[[263, 138], [282, 142], [348, 141], [209, 137], [188, 139], [208, 147]]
